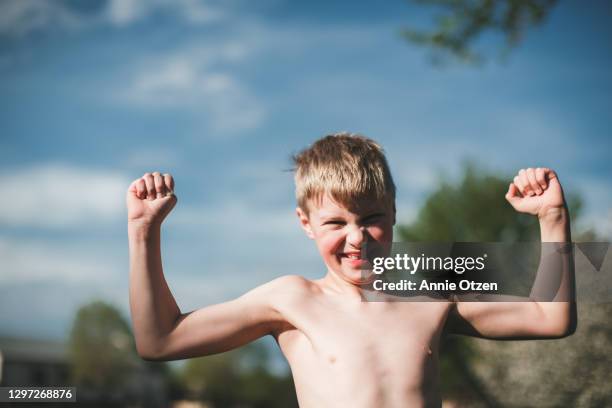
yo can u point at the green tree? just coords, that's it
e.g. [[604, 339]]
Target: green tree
[[462, 22], [101, 347]]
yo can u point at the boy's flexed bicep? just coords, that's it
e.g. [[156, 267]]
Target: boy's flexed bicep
[[224, 326], [509, 319]]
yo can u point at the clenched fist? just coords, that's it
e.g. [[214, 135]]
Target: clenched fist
[[150, 199], [536, 191]]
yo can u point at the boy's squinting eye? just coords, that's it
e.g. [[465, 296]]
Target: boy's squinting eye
[[373, 217], [334, 222]]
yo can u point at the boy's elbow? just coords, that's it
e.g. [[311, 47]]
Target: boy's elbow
[[562, 329], [150, 353], [155, 359], [559, 321], [570, 328], [148, 356]]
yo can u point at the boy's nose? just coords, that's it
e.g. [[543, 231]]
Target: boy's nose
[[356, 236]]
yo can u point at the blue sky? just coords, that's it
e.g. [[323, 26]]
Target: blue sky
[[220, 94]]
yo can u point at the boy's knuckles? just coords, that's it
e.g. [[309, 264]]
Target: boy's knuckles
[[532, 179], [524, 179], [159, 186]]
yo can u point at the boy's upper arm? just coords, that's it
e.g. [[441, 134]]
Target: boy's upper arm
[[509, 319], [225, 326]]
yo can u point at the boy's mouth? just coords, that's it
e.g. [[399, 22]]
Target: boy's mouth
[[354, 259], [351, 255]]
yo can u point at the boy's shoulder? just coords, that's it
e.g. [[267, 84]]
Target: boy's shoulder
[[293, 284], [286, 290], [285, 293]]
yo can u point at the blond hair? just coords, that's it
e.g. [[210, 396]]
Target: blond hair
[[345, 165]]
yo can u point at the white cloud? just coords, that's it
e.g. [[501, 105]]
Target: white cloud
[[196, 11], [20, 17], [123, 12], [40, 260], [265, 235], [203, 77], [55, 195], [238, 219], [189, 79]]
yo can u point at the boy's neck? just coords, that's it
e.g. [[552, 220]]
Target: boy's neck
[[343, 287]]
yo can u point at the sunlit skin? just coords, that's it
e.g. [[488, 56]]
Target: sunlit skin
[[343, 352]]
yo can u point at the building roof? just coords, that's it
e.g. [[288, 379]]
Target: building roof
[[34, 350]]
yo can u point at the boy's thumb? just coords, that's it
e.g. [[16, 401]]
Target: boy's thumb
[[512, 194]]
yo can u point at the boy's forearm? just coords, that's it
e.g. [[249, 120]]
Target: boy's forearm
[[153, 308], [555, 225], [555, 277]]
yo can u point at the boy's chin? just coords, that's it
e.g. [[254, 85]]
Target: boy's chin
[[358, 277]]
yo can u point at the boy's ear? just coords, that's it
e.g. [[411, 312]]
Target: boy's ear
[[304, 222]]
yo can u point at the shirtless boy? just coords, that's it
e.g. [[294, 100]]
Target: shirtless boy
[[343, 351]]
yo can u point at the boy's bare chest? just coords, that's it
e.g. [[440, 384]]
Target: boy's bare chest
[[365, 335]]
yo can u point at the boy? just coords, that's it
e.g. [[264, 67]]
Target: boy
[[342, 351]]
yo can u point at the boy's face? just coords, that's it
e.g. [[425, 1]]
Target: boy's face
[[340, 234]]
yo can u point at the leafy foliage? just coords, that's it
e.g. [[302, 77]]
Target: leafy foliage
[[464, 21], [101, 347]]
